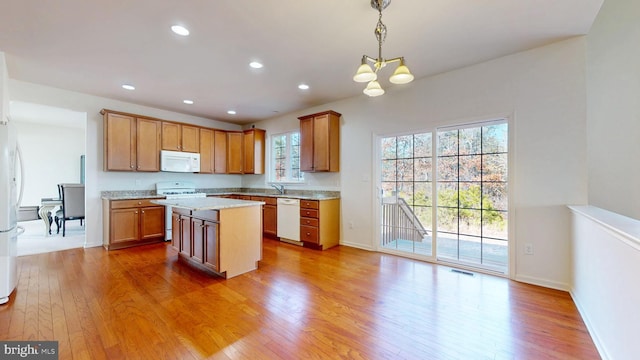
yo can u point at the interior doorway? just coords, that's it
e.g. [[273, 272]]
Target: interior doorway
[[53, 142]]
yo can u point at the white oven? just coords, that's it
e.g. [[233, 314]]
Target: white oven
[[175, 190]]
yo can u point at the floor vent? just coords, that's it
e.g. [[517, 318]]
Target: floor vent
[[462, 272]]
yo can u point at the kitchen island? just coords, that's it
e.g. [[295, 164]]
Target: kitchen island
[[218, 235]]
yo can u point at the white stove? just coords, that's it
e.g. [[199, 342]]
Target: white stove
[[176, 190]]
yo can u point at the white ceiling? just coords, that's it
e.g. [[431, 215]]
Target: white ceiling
[[95, 46]]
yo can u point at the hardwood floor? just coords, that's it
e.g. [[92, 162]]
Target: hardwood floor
[[141, 303]]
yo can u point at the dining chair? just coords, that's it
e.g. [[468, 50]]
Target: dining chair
[[72, 205]]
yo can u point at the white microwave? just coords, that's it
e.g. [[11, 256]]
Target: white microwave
[[176, 161]]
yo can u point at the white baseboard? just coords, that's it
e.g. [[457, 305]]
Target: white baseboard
[[542, 282], [590, 328]]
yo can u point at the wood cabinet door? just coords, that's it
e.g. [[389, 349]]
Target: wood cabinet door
[[119, 142], [148, 144], [306, 144], [176, 231], [321, 143], [211, 248], [124, 225], [185, 236], [270, 220], [247, 140], [190, 139], [152, 222], [220, 152], [234, 152], [197, 236], [171, 136], [206, 151], [254, 145]]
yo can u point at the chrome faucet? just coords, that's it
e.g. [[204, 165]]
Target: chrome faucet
[[280, 188]]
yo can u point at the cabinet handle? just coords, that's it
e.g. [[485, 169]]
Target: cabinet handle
[[135, 212], [131, 166], [143, 211], [308, 234], [139, 202], [307, 213]]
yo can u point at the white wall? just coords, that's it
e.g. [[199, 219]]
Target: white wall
[[542, 90], [613, 92], [4, 89], [51, 156], [97, 180]]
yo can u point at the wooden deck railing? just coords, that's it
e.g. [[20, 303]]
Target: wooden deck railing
[[399, 222]]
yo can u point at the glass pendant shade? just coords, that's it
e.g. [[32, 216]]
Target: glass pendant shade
[[373, 89], [364, 74], [402, 75]]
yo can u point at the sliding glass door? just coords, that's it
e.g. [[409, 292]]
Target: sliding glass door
[[469, 212], [472, 195], [406, 193]]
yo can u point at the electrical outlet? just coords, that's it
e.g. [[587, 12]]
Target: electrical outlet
[[528, 249], [351, 224]]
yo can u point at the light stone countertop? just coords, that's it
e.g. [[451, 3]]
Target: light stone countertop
[[291, 194], [208, 203]]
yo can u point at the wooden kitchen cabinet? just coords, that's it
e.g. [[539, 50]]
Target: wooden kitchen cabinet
[[220, 152], [131, 144], [320, 223], [235, 149], [207, 151], [180, 137], [196, 237], [205, 242], [129, 223], [320, 142], [254, 145], [269, 215]]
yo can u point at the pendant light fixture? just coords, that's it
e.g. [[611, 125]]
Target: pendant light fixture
[[365, 73]]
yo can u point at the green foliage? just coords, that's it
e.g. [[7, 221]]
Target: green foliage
[[470, 201]]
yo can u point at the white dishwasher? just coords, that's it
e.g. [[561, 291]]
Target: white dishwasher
[[289, 220]]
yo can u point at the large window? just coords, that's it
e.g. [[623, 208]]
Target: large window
[[285, 156]]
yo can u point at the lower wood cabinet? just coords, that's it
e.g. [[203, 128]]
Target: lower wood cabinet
[[129, 223], [320, 223], [196, 237], [269, 215]]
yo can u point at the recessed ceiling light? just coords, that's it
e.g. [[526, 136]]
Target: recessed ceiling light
[[128, 87], [303, 87], [231, 112], [180, 30], [256, 65], [188, 101]]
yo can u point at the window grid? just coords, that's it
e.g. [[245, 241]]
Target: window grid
[[481, 183], [285, 149]]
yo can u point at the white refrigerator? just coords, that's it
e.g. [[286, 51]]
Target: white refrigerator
[[10, 173]]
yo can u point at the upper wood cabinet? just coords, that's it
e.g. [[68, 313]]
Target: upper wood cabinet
[[180, 137], [254, 145], [207, 151], [235, 150], [131, 144], [220, 152], [320, 142]]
